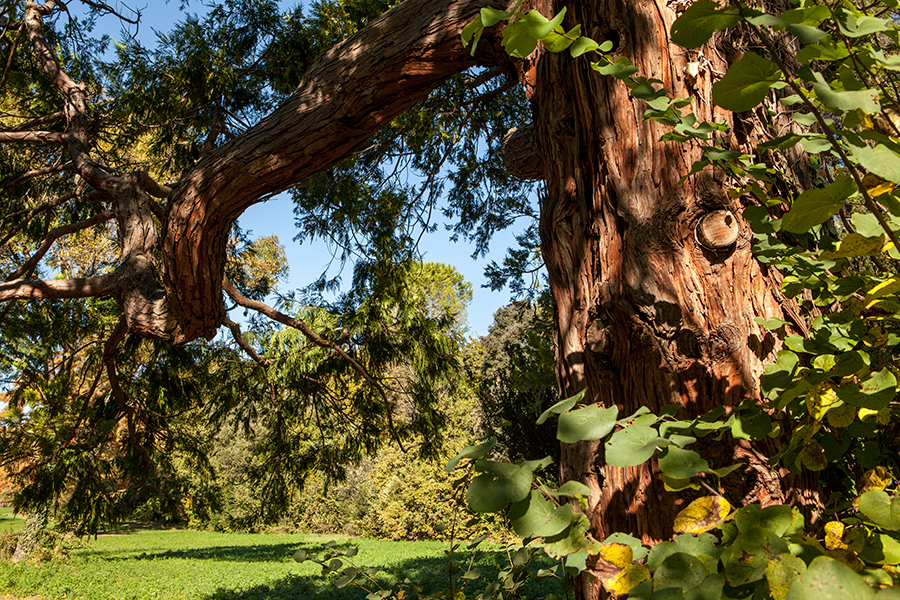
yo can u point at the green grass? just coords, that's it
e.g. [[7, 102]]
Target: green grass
[[180, 564], [9, 521]]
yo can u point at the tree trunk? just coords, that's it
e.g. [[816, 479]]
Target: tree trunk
[[646, 315], [29, 538]]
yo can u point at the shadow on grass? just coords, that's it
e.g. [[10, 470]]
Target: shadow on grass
[[235, 553], [430, 571]]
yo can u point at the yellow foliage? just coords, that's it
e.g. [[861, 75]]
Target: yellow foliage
[[703, 514]]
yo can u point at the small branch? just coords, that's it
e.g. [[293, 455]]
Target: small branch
[[236, 334], [55, 235], [316, 339], [56, 289], [38, 209], [151, 186], [40, 121], [40, 137], [38, 173], [12, 53]]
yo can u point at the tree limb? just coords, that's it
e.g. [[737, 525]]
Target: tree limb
[[40, 121], [12, 53], [55, 235], [350, 92], [236, 334], [316, 339], [38, 173], [40, 137], [56, 289]]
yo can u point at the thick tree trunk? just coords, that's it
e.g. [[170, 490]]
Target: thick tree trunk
[[29, 538], [646, 315]]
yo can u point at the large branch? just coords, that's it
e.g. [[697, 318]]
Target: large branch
[[55, 289], [349, 93]]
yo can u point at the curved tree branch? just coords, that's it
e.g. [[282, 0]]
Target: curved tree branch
[[55, 235], [345, 96], [57, 289], [316, 339]]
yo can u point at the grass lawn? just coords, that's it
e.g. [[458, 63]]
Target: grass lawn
[[143, 564]]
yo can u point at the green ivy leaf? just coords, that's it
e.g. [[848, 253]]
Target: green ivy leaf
[[471, 33], [682, 464], [557, 41], [633, 445], [561, 407], [880, 160], [474, 452], [881, 509], [620, 69], [679, 570], [746, 83], [864, 100], [781, 573], [588, 423], [828, 579], [537, 515], [573, 488], [498, 485], [875, 393], [537, 25], [816, 206], [695, 26], [583, 45], [492, 16]]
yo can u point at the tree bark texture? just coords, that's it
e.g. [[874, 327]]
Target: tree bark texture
[[646, 315], [349, 93]]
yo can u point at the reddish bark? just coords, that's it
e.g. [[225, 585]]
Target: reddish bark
[[646, 316]]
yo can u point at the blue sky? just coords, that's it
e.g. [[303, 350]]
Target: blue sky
[[276, 217]]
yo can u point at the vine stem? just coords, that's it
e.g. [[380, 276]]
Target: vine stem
[[829, 134]]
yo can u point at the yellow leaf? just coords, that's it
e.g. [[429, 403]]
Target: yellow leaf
[[834, 533], [627, 578], [820, 399], [702, 514], [885, 288], [618, 554], [882, 417], [856, 244], [876, 479]]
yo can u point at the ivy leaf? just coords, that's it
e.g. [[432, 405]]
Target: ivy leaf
[[537, 515], [620, 69], [864, 25], [816, 206], [573, 488], [696, 25], [537, 25], [864, 100], [557, 41], [881, 509], [828, 579], [781, 573], [746, 83], [682, 464], [633, 445], [583, 45], [471, 33], [588, 423], [498, 485], [474, 452], [875, 393], [702, 515], [880, 160], [561, 407], [517, 42], [679, 570], [492, 16]]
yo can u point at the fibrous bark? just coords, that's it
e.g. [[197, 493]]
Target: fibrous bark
[[646, 315]]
